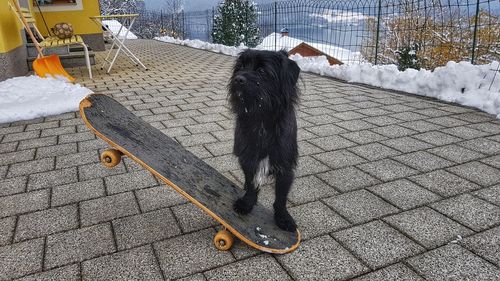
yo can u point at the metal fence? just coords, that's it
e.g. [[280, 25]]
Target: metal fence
[[376, 31]]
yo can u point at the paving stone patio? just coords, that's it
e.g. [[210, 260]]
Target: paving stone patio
[[389, 186]]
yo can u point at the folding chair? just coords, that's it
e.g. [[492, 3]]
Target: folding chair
[[51, 41]]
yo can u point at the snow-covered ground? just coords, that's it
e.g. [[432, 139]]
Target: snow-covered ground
[[115, 26], [462, 83], [198, 44], [23, 98]]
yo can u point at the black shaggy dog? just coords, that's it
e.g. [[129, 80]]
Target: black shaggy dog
[[263, 94]]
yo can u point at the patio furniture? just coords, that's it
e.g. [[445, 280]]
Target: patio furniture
[[51, 64], [115, 37]]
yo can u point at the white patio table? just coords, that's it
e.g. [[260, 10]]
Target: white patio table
[[115, 36]]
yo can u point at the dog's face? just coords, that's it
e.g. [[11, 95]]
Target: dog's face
[[262, 82]]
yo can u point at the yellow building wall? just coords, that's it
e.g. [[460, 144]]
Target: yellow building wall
[[10, 29], [79, 19]]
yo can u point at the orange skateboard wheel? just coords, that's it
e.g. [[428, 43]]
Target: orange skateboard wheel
[[223, 240], [111, 157]]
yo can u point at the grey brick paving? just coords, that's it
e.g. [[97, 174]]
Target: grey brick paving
[[360, 206], [404, 194], [347, 179], [456, 153], [493, 161], [56, 150], [194, 252], [41, 143], [260, 267], [108, 208], [427, 172], [407, 144], [46, 222], [428, 227], [7, 230], [129, 181], [336, 263], [444, 183], [394, 272], [485, 244], [76, 192], [23, 203], [21, 259], [453, 262], [12, 186], [65, 273], [374, 151], [97, 170], [377, 244], [145, 228], [191, 218], [477, 172], [78, 245], [491, 194], [315, 219], [387, 169], [29, 167], [423, 161], [339, 158], [308, 189], [158, 197], [135, 264], [364, 136], [52, 178], [480, 214]]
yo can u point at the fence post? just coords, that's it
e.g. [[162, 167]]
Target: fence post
[[208, 24], [161, 19], [474, 40], [183, 26], [275, 25], [213, 22], [378, 30]]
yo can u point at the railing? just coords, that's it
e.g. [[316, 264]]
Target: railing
[[428, 32]]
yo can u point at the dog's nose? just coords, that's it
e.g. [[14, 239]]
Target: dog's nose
[[240, 79]]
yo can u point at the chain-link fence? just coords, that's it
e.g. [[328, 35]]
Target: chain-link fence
[[431, 32]]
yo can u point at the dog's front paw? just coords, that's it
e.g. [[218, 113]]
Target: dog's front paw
[[243, 206], [285, 221]]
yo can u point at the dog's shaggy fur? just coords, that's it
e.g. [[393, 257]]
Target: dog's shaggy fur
[[263, 95]]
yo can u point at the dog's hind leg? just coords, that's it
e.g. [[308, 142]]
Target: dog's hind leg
[[282, 218], [244, 205]]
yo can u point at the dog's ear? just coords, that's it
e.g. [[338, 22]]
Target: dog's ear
[[291, 67], [283, 52], [294, 70]]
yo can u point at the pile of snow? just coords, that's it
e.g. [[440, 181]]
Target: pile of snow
[[461, 83], [334, 16], [198, 44], [288, 43], [115, 26], [23, 98]]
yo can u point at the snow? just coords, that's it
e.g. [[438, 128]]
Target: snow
[[198, 44], [462, 83], [115, 25], [334, 16], [288, 43], [23, 98]]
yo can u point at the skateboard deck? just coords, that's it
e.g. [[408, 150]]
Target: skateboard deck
[[201, 184]]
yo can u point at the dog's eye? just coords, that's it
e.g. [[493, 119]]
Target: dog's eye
[[261, 71]]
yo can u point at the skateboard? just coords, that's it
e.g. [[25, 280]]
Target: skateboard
[[128, 135]]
